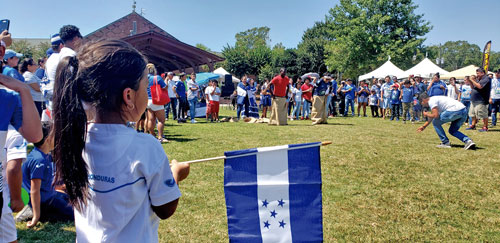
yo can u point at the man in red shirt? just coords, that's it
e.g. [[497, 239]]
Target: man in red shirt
[[307, 89], [279, 104]]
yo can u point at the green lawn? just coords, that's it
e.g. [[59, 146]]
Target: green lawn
[[381, 182]]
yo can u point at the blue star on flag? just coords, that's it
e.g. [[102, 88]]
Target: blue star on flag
[[282, 223], [265, 203], [267, 224], [281, 203], [273, 213]]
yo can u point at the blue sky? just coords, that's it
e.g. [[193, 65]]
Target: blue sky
[[214, 23]]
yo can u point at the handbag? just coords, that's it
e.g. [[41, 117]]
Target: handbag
[[158, 95]]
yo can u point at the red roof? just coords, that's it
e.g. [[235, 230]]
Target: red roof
[[161, 48]]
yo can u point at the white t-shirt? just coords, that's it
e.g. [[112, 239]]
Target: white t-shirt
[[128, 173], [451, 92], [171, 85], [444, 103], [29, 78], [214, 97], [66, 52], [192, 94], [15, 148], [297, 94], [47, 87]]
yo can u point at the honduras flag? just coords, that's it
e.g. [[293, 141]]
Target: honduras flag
[[273, 194]]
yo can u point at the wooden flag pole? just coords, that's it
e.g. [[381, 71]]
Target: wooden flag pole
[[224, 157]]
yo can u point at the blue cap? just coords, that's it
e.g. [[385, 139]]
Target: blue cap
[[10, 53], [55, 40], [49, 52]]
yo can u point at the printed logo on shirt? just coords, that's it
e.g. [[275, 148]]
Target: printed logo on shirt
[[39, 165], [170, 182], [102, 178]]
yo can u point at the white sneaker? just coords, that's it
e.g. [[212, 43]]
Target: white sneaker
[[444, 145], [470, 145], [24, 215]]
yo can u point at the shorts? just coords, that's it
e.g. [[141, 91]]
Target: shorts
[[265, 100], [362, 99], [386, 104], [154, 107], [214, 106], [479, 111], [8, 232]]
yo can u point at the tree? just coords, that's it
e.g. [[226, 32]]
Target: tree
[[28, 50], [366, 32], [311, 50], [258, 36]]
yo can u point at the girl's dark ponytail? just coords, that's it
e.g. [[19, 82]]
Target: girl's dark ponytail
[[70, 124]]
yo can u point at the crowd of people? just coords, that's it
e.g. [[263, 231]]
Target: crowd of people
[[75, 106]]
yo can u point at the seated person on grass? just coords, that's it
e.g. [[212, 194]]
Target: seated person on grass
[[38, 176]]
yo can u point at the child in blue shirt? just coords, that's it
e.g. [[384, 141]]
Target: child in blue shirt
[[374, 103], [395, 102], [407, 94], [38, 176]]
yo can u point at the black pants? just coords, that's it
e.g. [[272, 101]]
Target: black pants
[[396, 111], [374, 109], [332, 106], [290, 107], [342, 105], [183, 104]]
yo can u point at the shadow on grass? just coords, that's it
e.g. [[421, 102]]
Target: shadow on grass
[[181, 139], [461, 146], [47, 232]]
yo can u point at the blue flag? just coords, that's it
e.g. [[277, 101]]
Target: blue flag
[[274, 194]]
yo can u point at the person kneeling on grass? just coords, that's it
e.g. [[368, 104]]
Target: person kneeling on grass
[[47, 203], [443, 110]]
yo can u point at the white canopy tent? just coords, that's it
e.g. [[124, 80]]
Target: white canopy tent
[[425, 69], [388, 68], [222, 72]]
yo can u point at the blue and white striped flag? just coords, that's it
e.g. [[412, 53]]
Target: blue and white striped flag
[[273, 194]]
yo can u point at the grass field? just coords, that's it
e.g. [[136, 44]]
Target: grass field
[[381, 182]]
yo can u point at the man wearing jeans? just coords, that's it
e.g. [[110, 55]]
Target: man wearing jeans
[[350, 94], [443, 110], [495, 97], [173, 99]]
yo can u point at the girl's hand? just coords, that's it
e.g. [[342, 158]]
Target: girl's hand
[[33, 222], [421, 129], [179, 171]]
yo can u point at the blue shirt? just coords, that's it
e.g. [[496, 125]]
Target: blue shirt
[[151, 79], [465, 92], [180, 89], [395, 96], [436, 89], [40, 73], [421, 88], [377, 89], [321, 87], [364, 94], [334, 87], [351, 91], [12, 72], [10, 110], [408, 94], [39, 165]]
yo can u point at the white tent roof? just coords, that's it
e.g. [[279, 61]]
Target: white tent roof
[[426, 69], [388, 68], [223, 72]]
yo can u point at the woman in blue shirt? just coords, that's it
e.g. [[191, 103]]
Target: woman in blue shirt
[[436, 87], [11, 58]]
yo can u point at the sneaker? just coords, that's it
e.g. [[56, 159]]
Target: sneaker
[[397, 119], [492, 126], [24, 215], [470, 145], [193, 121], [291, 119], [302, 118], [471, 128], [444, 145], [484, 129]]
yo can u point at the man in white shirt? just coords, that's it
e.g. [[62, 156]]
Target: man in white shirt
[[443, 110], [213, 95], [452, 89], [72, 39], [495, 97], [47, 85], [171, 94]]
